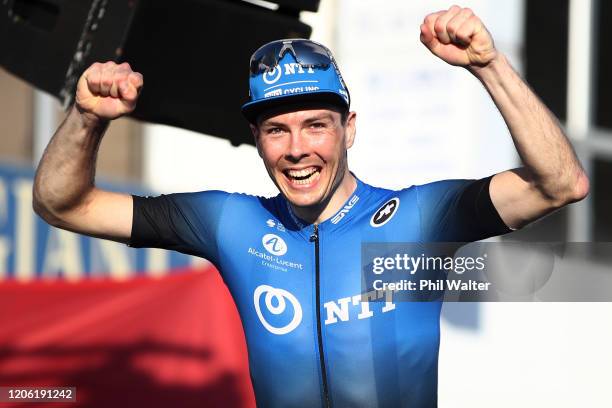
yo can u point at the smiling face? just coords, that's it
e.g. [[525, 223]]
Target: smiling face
[[304, 151]]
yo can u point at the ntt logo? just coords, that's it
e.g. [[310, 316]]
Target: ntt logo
[[272, 76], [276, 303]]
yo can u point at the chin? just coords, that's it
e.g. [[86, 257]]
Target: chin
[[302, 202]]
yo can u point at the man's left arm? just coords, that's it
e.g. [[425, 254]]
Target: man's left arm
[[551, 175]]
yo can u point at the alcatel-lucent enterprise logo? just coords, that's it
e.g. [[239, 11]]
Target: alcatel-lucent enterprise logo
[[275, 247], [274, 244]]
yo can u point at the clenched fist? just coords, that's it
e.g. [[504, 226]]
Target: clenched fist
[[458, 37], [108, 91]]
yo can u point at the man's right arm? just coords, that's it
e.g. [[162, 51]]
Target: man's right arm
[[65, 194]]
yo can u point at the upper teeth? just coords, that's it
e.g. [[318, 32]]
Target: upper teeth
[[302, 173]]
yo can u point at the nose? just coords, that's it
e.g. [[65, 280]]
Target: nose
[[298, 147]]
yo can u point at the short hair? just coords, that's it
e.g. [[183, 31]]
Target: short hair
[[344, 113]]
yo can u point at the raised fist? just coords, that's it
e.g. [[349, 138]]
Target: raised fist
[[108, 91], [458, 37]]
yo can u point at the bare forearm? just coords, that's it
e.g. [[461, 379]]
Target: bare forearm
[[66, 172], [551, 176], [64, 191], [548, 158]]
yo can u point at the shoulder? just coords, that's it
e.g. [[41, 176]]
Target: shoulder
[[210, 196], [198, 196], [199, 203], [372, 197], [388, 201], [236, 206], [419, 191], [416, 198], [380, 196], [248, 201], [442, 186], [441, 190]]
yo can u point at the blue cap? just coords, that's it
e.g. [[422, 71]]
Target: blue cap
[[290, 82]]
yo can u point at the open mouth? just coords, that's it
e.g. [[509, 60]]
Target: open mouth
[[303, 176]]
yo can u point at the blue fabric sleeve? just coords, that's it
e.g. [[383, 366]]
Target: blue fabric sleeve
[[458, 211], [186, 222]]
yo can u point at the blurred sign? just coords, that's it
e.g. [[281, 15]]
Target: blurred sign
[[30, 248], [420, 119], [140, 343]]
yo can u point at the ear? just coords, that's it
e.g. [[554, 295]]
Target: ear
[[350, 129], [255, 132]]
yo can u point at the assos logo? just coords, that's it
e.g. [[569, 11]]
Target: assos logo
[[276, 303], [274, 244], [385, 213]]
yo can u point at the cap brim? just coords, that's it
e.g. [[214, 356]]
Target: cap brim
[[252, 110]]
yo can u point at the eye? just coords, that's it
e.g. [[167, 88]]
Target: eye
[[274, 131], [317, 125]]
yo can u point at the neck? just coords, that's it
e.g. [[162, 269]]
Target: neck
[[321, 212]]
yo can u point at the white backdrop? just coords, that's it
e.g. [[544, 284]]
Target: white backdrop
[[419, 118]]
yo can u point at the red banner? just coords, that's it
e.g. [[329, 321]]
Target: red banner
[[172, 341]]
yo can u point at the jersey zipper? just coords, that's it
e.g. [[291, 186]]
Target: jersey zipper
[[315, 238]]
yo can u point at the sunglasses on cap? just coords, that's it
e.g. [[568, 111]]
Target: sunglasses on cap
[[308, 54], [267, 90]]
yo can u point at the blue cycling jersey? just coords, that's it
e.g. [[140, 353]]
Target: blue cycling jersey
[[313, 339]]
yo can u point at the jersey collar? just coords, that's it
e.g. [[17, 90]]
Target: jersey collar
[[341, 217]]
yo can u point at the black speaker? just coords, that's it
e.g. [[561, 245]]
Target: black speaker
[[305, 5], [194, 54], [195, 61], [48, 43], [603, 64]]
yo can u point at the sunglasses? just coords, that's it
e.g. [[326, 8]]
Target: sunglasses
[[308, 54]]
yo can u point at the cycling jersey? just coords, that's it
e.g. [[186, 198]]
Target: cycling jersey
[[313, 340]]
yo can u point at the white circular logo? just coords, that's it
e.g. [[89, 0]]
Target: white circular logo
[[279, 295], [274, 244], [275, 74]]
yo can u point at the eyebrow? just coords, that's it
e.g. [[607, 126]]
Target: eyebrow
[[315, 118], [322, 116], [270, 123]]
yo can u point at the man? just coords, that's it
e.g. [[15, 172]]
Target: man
[[292, 262]]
